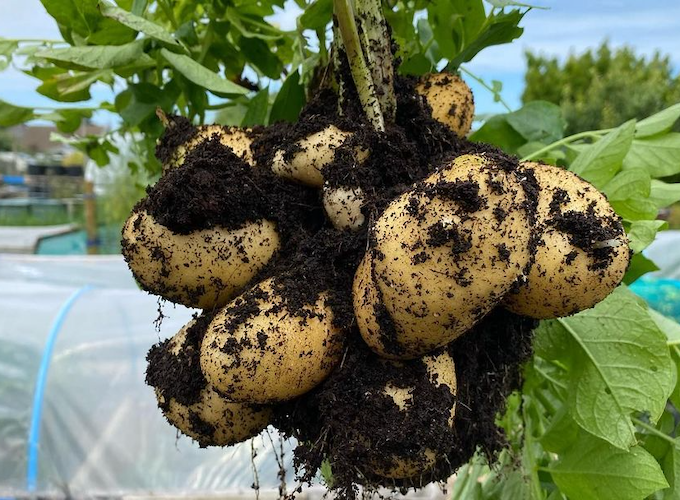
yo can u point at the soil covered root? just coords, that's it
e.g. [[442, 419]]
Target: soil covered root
[[350, 423]]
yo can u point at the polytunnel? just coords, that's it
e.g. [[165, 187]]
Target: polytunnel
[[76, 418]]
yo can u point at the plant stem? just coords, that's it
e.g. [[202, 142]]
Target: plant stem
[[361, 74], [375, 41], [565, 141], [486, 86], [653, 430]]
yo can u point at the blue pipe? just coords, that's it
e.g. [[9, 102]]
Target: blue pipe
[[39, 392]]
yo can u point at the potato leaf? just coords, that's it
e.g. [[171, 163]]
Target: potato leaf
[[639, 266], [137, 23], [539, 121], [599, 163], [258, 108], [643, 232], [96, 56], [658, 123], [620, 365], [595, 470], [317, 15], [202, 76], [659, 155], [13, 115], [289, 101]]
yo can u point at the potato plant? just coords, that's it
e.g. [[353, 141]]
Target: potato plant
[[361, 264]]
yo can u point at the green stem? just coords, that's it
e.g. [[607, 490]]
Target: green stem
[[486, 86], [653, 430], [537, 489], [565, 141], [361, 74]]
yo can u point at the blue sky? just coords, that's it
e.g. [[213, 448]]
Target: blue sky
[[569, 26]]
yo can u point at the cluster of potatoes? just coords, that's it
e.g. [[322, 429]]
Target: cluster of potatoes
[[478, 233]]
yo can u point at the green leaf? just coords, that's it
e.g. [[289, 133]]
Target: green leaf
[[659, 155], [257, 109], [643, 232], [258, 53], [454, 24], [7, 48], [83, 18], [668, 326], [137, 23], [14, 115], [663, 194], [289, 101], [658, 123], [595, 470], [202, 76], [139, 101], [639, 266], [317, 15], [600, 162], [72, 87], [561, 433], [419, 64], [500, 28], [499, 4], [96, 56], [539, 121], [497, 131], [67, 120], [627, 184], [671, 469], [621, 366]]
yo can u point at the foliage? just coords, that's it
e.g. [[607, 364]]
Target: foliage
[[196, 57], [595, 417], [602, 88]]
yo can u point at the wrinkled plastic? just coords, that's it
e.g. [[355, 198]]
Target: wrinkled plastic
[[101, 432]]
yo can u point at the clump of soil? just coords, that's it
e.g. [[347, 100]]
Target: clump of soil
[[331, 422]]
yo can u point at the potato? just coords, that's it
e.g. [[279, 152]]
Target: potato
[[567, 278], [209, 419], [444, 255], [259, 350], [310, 155], [450, 99], [440, 371], [238, 139], [202, 269], [343, 207]]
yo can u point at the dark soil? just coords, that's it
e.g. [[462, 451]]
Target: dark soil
[[348, 421]]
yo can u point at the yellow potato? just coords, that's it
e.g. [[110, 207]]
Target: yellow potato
[[566, 279], [258, 350], [238, 139], [202, 269], [450, 99], [440, 370], [343, 207], [211, 419], [311, 155], [445, 254]]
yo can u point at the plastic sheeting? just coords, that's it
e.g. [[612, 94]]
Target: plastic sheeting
[[99, 431]]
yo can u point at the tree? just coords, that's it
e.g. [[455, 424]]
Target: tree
[[595, 416], [602, 88]]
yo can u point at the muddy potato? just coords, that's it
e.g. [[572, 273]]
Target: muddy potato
[[583, 251], [343, 207], [205, 268], [444, 255], [406, 465], [311, 155], [238, 139], [450, 99], [189, 403], [260, 350]]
